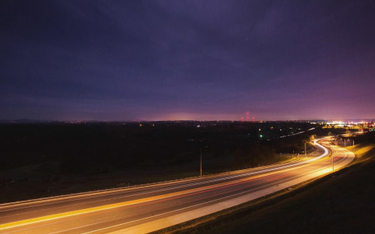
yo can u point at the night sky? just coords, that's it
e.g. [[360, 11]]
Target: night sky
[[203, 60]]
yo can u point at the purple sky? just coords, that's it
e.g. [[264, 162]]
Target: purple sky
[[160, 60]]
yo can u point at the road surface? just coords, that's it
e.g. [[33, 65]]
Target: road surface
[[152, 207]]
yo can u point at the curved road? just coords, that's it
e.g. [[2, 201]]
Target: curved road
[[152, 207]]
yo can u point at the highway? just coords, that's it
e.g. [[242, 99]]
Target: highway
[[149, 208]]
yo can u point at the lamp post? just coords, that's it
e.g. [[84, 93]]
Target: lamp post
[[332, 156], [201, 169]]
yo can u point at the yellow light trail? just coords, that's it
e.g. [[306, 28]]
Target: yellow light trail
[[127, 203], [154, 198]]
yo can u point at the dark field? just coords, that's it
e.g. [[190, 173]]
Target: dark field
[[55, 158]]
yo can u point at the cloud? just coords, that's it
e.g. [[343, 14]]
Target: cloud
[[122, 60]]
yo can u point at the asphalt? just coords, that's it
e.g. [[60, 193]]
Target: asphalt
[[152, 207]]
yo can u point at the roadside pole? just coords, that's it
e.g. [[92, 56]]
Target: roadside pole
[[201, 169], [305, 149], [333, 165]]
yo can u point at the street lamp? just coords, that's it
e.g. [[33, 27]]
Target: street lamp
[[201, 166]]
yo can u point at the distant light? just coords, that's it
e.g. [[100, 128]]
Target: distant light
[[260, 136], [153, 125], [260, 129], [140, 125], [198, 126]]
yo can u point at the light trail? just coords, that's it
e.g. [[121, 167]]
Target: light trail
[[202, 193]]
